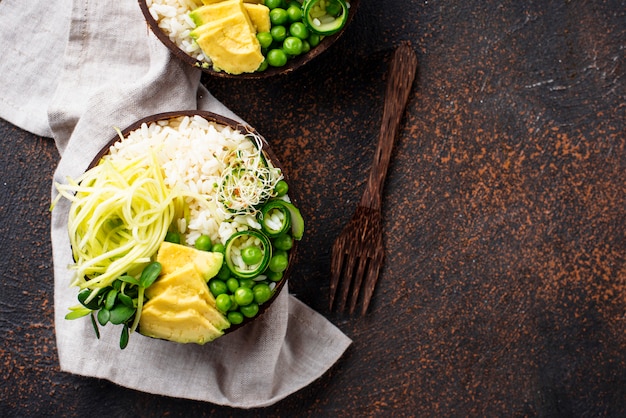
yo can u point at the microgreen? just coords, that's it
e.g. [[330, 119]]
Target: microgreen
[[118, 304]]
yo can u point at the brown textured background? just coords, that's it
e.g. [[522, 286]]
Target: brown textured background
[[504, 290]]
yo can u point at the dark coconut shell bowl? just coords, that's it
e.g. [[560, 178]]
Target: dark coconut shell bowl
[[269, 154], [291, 65]]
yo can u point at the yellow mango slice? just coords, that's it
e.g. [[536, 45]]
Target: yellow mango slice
[[174, 301], [258, 13], [245, 1], [186, 326], [230, 42], [231, 46], [173, 256], [212, 12], [181, 308], [259, 16], [186, 279]]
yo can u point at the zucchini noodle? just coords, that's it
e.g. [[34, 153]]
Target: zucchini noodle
[[119, 215]]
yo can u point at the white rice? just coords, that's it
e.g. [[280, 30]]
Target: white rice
[[173, 19], [191, 152]]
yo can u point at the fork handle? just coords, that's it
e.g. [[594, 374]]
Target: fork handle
[[401, 75]]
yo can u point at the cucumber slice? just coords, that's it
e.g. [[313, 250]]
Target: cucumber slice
[[325, 19], [297, 221], [237, 240], [265, 215]]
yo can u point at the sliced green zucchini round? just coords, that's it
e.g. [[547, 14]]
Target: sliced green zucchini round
[[325, 17], [275, 218], [241, 240]]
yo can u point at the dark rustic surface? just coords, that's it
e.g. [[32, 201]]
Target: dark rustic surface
[[504, 288]]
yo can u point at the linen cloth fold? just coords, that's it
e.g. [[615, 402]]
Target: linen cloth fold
[[92, 66]]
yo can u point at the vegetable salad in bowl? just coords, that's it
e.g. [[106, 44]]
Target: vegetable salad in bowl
[[248, 38], [182, 229]]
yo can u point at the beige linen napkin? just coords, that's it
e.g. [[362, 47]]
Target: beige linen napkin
[[87, 67]]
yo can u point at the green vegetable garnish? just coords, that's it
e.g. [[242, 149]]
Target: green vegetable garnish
[[119, 304], [275, 218], [248, 180], [238, 242], [325, 17]]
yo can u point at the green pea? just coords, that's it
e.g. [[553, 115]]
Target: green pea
[[278, 16], [218, 248], [217, 287], [281, 188], [314, 40], [279, 261], [235, 317], [294, 12], [272, 4], [299, 30], [247, 283], [283, 242], [279, 33], [276, 58], [262, 293], [273, 275], [244, 296], [233, 303], [232, 284], [223, 302], [224, 272], [265, 39], [250, 311], [252, 255], [292, 46], [173, 237], [306, 47], [203, 243]]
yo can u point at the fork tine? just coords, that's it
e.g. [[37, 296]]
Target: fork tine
[[346, 284], [358, 280], [370, 281], [336, 264]]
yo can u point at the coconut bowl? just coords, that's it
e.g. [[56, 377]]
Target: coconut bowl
[[269, 155], [292, 64]]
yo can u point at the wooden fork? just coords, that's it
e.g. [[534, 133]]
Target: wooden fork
[[358, 252]]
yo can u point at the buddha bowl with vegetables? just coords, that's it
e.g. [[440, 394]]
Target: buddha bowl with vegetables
[[248, 38], [182, 229]]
